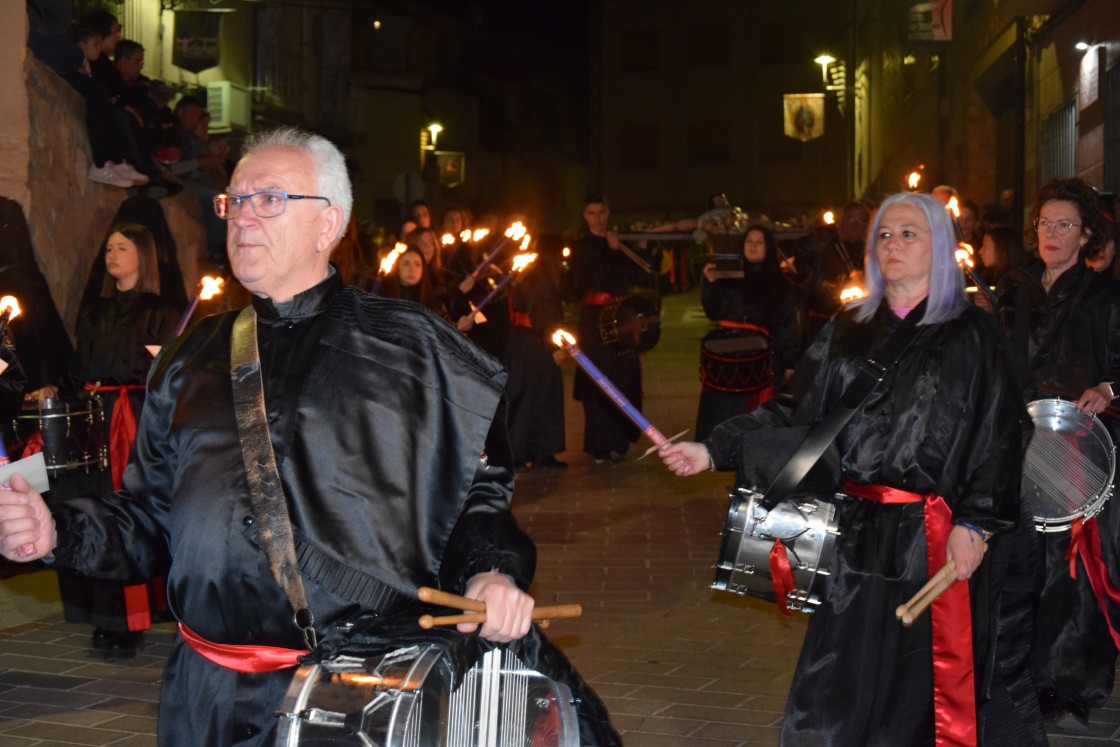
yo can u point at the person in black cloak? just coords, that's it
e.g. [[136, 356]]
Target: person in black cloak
[[147, 212]]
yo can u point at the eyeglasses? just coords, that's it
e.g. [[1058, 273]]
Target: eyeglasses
[[1061, 227], [264, 204]]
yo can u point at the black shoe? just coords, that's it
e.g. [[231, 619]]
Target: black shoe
[[117, 644], [549, 462]]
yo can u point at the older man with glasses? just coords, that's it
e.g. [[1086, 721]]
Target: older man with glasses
[[388, 451]]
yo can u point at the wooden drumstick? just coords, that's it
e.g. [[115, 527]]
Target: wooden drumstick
[[539, 614], [446, 599], [935, 587]]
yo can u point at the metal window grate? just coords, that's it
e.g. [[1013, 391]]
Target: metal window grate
[[1112, 131], [1059, 136]]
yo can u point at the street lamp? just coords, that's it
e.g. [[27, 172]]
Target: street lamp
[[824, 61], [434, 129]]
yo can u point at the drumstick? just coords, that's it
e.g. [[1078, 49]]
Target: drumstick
[[935, 587], [446, 599], [539, 614]]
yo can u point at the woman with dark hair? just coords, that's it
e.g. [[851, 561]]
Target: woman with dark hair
[[148, 213], [928, 465], [1001, 251], [1073, 350], [410, 279], [758, 341], [118, 336]]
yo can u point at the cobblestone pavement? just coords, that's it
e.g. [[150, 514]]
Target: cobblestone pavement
[[676, 663]]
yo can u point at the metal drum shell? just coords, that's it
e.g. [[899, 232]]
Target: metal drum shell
[[73, 433], [406, 698], [808, 529], [1061, 418]]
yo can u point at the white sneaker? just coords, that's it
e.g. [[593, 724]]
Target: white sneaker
[[126, 170], [106, 175]]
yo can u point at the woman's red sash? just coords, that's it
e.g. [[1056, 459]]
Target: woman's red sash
[[954, 687]]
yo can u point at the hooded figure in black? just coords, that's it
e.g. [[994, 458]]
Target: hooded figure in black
[[758, 341]]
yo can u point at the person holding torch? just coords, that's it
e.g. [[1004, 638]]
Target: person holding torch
[[928, 467]]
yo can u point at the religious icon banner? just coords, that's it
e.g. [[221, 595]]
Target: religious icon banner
[[804, 115]]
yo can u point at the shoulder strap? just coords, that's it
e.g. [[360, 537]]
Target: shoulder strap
[[269, 505], [873, 371]]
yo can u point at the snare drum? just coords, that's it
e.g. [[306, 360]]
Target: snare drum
[[630, 325], [808, 529], [405, 697], [1068, 466], [71, 432], [737, 361]]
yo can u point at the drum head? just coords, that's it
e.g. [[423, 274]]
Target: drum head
[[1068, 466]]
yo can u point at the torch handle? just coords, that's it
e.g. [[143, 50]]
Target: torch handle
[[982, 286], [620, 400], [488, 259], [497, 289], [182, 325]]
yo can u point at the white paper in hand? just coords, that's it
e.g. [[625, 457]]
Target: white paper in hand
[[32, 468]]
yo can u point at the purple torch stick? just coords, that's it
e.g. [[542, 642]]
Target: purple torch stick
[[520, 262], [564, 340], [210, 288], [515, 232]]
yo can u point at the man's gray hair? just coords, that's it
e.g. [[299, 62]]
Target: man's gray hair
[[330, 164]]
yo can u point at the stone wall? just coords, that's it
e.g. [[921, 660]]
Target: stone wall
[[68, 213]]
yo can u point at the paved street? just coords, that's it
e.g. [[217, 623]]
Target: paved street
[[676, 663]]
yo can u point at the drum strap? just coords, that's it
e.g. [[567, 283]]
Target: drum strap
[[265, 492], [873, 371]]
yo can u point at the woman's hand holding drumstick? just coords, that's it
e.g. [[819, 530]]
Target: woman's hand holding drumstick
[[477, 610], [946, 577]]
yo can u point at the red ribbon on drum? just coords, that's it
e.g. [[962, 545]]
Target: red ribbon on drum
[[781, 573]]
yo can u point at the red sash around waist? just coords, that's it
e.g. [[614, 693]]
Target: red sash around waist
[[954, 689], [248, 659], [520, 319], [1085, 541], [597, 299]]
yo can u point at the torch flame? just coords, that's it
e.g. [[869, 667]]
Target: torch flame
[[10, 302], [913, 180], [952, 207], [447, 239], [963, 258], [851, 293], [480, 234], [516, 231], [465, 235], [391, 257], [210, 287], [521, 261], [829, 217], [525, 243], [567, 252], [562, 339]]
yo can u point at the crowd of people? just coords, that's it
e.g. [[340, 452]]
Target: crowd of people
[[437, 351]]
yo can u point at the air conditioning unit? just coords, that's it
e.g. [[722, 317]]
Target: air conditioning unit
[[229, 106]]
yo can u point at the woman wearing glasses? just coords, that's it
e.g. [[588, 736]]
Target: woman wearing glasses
[[930, 463], [1072, 351]]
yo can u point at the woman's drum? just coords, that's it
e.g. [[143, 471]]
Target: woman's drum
[[630, 325], [406, 697], [69, 432], [1068, 466], [737, 360], [807, 529]]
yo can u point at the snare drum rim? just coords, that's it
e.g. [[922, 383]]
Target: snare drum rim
[[1053, 407]]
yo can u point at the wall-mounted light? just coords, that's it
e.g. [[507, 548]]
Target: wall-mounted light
[[824, 61], [435, 129], [1081, 46]]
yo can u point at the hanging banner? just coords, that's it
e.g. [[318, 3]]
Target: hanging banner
[[196, 40], [931, 21], [804, 115]]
